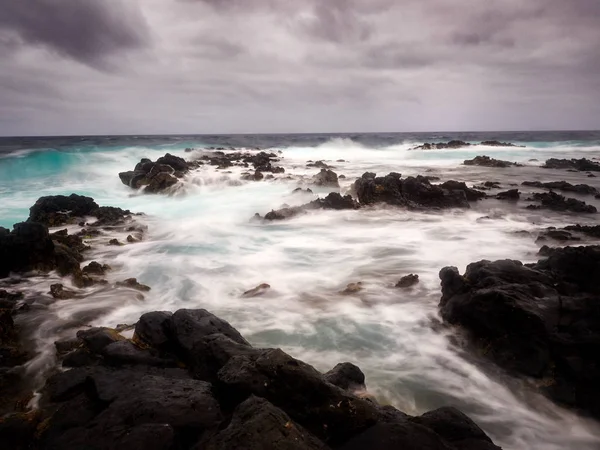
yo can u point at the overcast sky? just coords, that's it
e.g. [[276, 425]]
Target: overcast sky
[[235, 66]]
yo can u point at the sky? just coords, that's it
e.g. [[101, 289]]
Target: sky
[[73, 67]]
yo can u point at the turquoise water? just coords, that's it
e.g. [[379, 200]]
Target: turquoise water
[[202, 250]]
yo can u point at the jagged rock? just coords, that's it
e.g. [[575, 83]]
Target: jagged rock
[[563, 186], [486, 161], [133, 284], [58, 210], [257, 291], [256, 176], [95, 339], [284, 213], [59, 292], [156, 176], [27, 247], [125, 395], [471, 194], [115, 242], [441, 145], [410, 192], [583, 164], [408, 281], [257, 424], [541, 321], [590, 230], [95, 268], [346, 376], [326, 178], [511, 194], [556, 202]]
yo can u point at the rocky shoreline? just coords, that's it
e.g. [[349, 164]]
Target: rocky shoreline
[[190, 380]]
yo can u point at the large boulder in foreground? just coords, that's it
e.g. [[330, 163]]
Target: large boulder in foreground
[[412, 192], [58, 210], [540, 320], [229, 396]]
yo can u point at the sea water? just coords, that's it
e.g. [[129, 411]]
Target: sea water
[[203, 251]]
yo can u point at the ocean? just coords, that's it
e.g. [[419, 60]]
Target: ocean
[[203, 251]]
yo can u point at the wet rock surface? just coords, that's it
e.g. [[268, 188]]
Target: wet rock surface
[[486, 161], [412, 192], [540, 320], [156, 176], [583, 164], [131, 394], [333, 201], [563, 186], [556, 202]]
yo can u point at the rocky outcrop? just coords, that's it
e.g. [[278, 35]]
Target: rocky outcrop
[[412, 192], [486, 161], [442, 145], [333, 201], [156, 176], [230, 395], [556, 202], [27, 247], [589, 230], [408, 281], [59, 210], [540, 320], [460, 144], [583, 189], [511, 194], [326, 178], [583, 164], [500, 144], [471, 194]]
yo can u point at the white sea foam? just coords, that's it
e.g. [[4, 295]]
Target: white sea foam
[[202, 251]]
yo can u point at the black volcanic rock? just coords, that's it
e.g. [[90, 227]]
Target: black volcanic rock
[[58, 210], [552, 200], [442, 145], [27, 247], [540, 320], [511, 194], [412, 192], [486, 161], [327, 178], [583, 164], [156, 176], [471, 194], [333, 200], [563, 186]]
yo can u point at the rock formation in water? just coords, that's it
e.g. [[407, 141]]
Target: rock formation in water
[[552, 200], [156, 176], [333, 200], [583, 164], [412, 192], [189, 380], [486, 161], [540, 320], [460, 144], [583, 189]]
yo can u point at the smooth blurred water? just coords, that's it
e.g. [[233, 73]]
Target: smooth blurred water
[[202, 250]]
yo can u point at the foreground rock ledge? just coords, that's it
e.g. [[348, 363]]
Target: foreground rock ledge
[[189, 380], [539, 320]]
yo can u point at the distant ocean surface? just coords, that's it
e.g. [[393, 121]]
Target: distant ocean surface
[[202, 251]]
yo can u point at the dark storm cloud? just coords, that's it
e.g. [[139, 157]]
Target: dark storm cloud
[[85, 30], [307, 65]]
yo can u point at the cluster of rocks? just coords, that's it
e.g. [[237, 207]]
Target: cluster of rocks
[[29, 246], [156, 176], [189, 380], [552, 200], [454, 144], [486, 161], [582, 165], [539, 320], [333, 201], [411, 192], [582, 189]]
